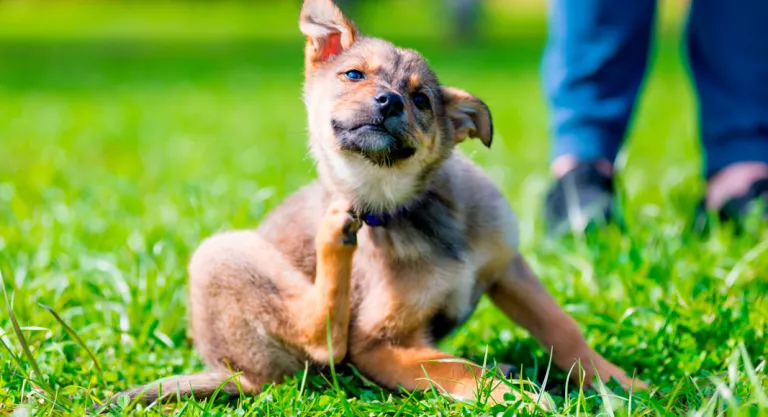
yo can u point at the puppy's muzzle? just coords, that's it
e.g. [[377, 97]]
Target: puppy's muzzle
[[382, 138]]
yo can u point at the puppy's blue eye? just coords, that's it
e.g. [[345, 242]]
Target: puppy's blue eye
[[354, 75]]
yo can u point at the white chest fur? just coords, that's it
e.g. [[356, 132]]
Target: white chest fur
[[380, 188]]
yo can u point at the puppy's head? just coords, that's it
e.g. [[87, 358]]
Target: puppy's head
[[380, 122]]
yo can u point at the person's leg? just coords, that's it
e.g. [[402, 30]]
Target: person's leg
[[728, 53], [594, 64], [464, 16]]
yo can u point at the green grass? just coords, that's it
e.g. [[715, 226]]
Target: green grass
[[130, 132]]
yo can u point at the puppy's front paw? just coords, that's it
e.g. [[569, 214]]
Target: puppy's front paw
[[339, 226], [352, 225], [607, 370]]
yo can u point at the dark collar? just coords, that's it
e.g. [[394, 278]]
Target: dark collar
[[375, 220], [380, 219]]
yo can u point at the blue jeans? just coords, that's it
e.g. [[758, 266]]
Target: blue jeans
[[595, 62]]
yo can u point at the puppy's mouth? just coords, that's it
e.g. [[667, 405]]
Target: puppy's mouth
[[382, 146]]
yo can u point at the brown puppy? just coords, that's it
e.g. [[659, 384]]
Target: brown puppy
[[393, 246]]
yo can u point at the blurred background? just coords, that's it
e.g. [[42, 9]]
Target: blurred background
[[157, 94], [130, 131]]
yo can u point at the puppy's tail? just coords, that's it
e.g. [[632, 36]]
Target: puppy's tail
[[199, 386]]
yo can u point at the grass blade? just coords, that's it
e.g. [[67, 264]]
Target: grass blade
[[25, 346], [15, 358], [347, 409], [40, 382], [182, 410], [232, 377], [303, 381], [407, 400], [543, 388], [762, 398], [76, 337]]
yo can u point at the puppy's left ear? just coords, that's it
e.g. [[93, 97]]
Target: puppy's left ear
[[328, 32], [469, 115]]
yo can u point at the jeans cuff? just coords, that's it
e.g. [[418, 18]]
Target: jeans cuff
[[747, 149], [586, 145]]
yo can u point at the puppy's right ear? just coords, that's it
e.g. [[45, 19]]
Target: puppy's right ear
[[468, 114], [328, 32]]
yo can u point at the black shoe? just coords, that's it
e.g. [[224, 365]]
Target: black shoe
[[737, 210], [581, 198]]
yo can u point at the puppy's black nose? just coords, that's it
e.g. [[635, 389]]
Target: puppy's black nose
[[390, 104]]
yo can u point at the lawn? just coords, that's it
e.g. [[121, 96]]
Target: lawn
[[129, 132]]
